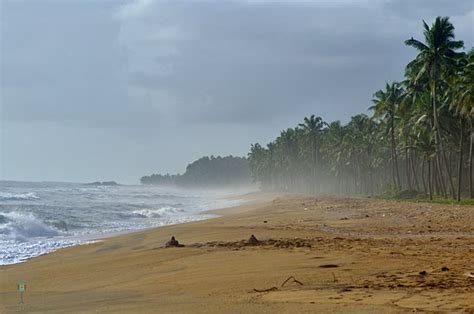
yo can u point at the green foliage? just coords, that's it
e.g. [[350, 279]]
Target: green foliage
[[436, 200], [207, 172]]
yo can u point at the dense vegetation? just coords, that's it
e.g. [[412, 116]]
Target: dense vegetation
[[207, 172], [418, 139]]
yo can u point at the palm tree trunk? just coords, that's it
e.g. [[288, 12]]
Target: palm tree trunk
[[407, 164], [440, 187], [434, 178], [429, 179], [471, 138], [460, 159], [355, 178], [318, 166], [438, 162], [437, 157], [392, 163], [423, 174], [394, 151], [440, 141], [313, 164], [413, 168]]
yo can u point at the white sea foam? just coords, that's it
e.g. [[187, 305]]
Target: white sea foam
[[13, 252], [158, 212], [18, 197]]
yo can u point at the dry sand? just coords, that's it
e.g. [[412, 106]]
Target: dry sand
[[347, 255]]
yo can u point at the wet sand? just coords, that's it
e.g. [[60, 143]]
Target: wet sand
[[344, 255]]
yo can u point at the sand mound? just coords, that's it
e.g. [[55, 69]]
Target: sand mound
[[173, 243], [253, 240]]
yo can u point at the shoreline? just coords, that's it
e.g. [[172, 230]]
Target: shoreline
[[85, 239], [359, 267], [93, 238]]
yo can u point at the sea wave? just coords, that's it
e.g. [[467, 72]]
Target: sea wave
[[5, 196], [23, 226], [38, 218], [157, 213]]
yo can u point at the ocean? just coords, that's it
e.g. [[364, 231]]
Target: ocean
[[40, 217]]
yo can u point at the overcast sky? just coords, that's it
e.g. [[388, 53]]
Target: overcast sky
[[113, 90]]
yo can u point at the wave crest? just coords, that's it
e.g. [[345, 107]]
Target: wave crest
[[157, 213], [21, 226], [18, 197]]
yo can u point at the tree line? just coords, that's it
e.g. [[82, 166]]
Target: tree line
[[418, 139], [207, 172]]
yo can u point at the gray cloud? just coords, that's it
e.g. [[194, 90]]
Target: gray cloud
[[154, 84], [240, 61]]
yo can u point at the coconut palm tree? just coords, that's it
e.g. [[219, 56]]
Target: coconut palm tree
[[437, 56], [335, 153], [287, 144], [461, 98], [386, 104], [313, 128]]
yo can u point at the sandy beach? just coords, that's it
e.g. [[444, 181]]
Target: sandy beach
[[314, 255]]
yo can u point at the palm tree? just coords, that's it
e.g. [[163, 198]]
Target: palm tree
[[436, 56], [258, 163], [462, 100], [287, 143], [361, 132], [463, 86], [424, 143], [333, 149], [385, 108], [313, 127]]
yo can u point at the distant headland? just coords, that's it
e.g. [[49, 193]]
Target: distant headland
[[207, 172]]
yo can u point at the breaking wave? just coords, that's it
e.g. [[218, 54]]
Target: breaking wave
[[157, 213], [5, 196], [22, 226]]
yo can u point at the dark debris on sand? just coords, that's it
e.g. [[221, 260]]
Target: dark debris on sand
[[173, 243], [253, 241]]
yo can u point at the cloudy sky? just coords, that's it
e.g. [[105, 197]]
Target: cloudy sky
[[113, 90]]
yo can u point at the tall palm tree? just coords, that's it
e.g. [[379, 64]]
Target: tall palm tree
[[416, 117], [436, 57], [287, 142], [257, 161], [424, 143], [313, 128], [386, 104], [333, 149], [462, 101]]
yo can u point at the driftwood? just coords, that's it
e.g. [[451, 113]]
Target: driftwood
[[282, 285], [294, 280], [266, 290]]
